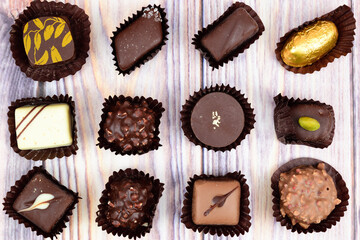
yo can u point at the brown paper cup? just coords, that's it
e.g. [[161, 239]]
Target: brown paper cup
[[109, 104], [79, 25], [335, 215], [284, 126], [140, 230], [207, 55], [191, 102], [344, 20], [226, 230], [48, 153], [151, 54], [16, 190]]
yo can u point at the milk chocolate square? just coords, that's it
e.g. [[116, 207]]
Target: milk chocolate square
[[216, 202], [43, 126]]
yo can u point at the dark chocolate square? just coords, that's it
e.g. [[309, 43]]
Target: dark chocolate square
[[38, 201], [41, 186]]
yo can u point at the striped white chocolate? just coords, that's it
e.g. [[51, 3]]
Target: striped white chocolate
[[43, 126]]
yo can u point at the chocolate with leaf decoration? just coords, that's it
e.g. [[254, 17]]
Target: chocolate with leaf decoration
[[218, 205], [48, 40], [40, 202], [216, 202]]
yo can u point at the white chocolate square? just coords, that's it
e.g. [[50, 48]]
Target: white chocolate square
[[43, 126]]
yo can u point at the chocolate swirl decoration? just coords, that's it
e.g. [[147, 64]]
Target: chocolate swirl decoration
[[41, 202], [48, 40], [219, 201]]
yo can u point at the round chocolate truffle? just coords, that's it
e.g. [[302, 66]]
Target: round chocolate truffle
[[217, 119], [308, 195]]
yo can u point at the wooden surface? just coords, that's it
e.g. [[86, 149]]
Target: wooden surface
[[175, 73]]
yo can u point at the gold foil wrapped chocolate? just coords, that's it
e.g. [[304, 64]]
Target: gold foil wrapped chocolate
[[310, 44]]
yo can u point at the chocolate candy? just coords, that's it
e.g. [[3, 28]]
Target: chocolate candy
[[216, 202], [314, 44], [310, 44], [40, 202], [306, 122], [130, 126], [43, 126], [128, 203], [140, 38], [304, 191], [48, 40], [229, 34], [308, 195], [217, 119], [43, 202], [218, 205]]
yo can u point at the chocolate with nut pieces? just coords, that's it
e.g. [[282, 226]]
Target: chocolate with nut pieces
[[308, 195], [130, 125]]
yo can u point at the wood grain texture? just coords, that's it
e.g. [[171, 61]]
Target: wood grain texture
[[174, 74]]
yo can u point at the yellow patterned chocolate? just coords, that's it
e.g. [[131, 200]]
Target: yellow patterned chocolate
[[48, 40], [310, 44]]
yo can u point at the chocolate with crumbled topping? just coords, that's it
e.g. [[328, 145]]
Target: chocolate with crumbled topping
[[308, 195], [130, 126], [128, 200]]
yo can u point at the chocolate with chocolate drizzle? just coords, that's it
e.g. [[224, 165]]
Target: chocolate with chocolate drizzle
[[219, 201]]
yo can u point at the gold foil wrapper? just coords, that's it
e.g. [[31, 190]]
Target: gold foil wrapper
[[310, 44]]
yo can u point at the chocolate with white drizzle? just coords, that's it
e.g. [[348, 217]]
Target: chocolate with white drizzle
[[216, 202], [53, 209], [308, 195]]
